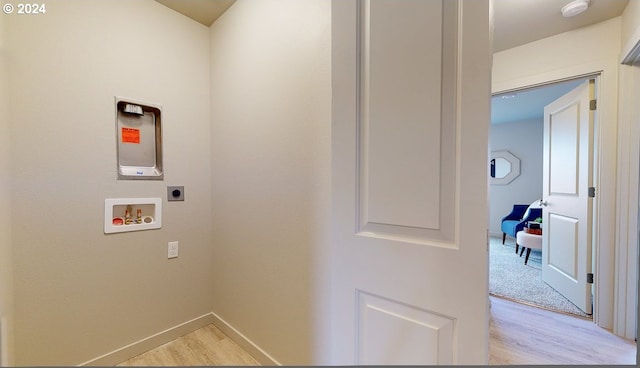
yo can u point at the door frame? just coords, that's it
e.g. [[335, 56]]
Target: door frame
[[594, 223], [604, 223], [628, 239]]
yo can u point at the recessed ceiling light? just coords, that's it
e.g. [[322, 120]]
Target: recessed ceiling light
[[574, 8], [508, 97]]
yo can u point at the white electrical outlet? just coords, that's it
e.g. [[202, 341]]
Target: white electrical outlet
[[173, 249]]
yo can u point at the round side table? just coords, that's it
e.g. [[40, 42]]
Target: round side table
[[528, 241]]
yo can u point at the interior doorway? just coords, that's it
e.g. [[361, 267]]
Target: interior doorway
[[517, 133]]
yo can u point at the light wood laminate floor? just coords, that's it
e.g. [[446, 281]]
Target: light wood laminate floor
[[518, 334], [204, 347]]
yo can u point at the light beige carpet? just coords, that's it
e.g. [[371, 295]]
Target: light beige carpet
[[510, 278]]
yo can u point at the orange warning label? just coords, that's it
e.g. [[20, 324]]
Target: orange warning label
[[130, 135]]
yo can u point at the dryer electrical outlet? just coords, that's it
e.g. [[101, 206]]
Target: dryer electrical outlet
[[175, 193]]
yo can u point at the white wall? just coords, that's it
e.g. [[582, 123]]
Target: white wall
[[6, 258], [271, 170], [564, 56], [78, 292], [524, 140], [630, 32]]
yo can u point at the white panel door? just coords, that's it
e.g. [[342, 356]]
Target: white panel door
[[567, 176], [411, 92]]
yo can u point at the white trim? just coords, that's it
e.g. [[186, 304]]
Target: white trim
[[631, 51], [244, 342], [148, 343], [4, 345], [625, 317], [495, 235]]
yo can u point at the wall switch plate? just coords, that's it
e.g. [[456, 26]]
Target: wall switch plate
[[173, 250], [175, 193]]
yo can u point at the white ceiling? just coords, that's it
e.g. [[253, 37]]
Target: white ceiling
[[528, 104], [516, 22], [202, 11]]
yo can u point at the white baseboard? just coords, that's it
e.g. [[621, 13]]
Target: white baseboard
[[132, 350], [4, 344], [495, 235], [249, 346]]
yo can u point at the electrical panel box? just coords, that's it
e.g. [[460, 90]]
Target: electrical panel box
[[139, 137]]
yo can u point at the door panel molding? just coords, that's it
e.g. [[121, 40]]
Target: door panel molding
[[427, 337], [564, 151], [565, 230], [406, 177]]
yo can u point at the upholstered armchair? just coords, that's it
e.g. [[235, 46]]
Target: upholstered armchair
[[517, 219]]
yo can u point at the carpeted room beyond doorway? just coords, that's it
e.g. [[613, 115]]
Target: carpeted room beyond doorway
[[511, 279]]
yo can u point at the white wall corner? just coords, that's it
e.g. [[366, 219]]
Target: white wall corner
[[148, 343], [244, 342]]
